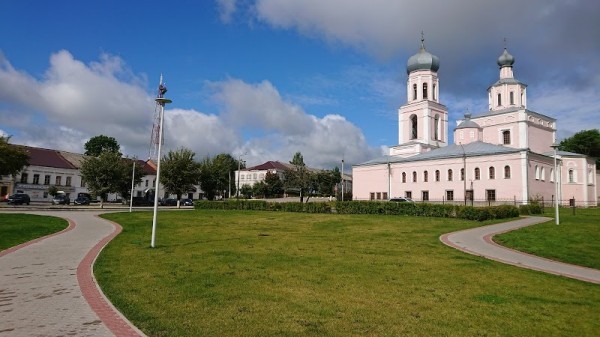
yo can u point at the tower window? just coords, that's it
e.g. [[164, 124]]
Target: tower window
[[436, 127], [506, 137], [425, 91], [499, 100], [571, 176], [512, 98], [414, 92], [433, 92], [413, 126]]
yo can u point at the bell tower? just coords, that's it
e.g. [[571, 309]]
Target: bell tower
[[423, 120]]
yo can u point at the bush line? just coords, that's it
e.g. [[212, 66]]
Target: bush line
[[379, 207]]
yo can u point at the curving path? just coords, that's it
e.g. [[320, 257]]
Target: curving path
[[478, 241], [47, 286]]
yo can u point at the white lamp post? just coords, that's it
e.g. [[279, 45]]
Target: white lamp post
[[132, 180], [557, 221]]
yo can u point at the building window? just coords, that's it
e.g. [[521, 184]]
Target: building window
[[378, 195], [414, 177], [24, 178], [433, 92], [449, 175], [492, 172], [425, 195], [477, 173], [47, 179], [490, 195], [571, 176], [437, 175], [68, 181], [537, 173], [512, 98], [506, 172], [414, 92], [58, 180], [542, 174], [436, 127], [499, 100], [408, 194], [372, 196], [403, 177], [450, 195], [36, 179], [425, 96], [384, 195], [552, 175], [413, 127], [425, 176], [462, 174]]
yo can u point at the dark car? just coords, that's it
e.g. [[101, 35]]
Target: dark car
[[186, 202], [19, 199], [61, 199], [169, 202], [81, 201], [140, 201], [401, 199]]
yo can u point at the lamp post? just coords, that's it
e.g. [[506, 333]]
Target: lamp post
[[160, 100], [237, 190], [557, 221], [132, 186], [342, 179], [464, 172]]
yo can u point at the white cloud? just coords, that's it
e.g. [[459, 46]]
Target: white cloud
[[226, 9]]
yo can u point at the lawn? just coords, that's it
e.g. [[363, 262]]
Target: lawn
[[19, 228], [243, 273], [576, 240]]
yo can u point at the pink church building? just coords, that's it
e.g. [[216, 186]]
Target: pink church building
[[503, 155]]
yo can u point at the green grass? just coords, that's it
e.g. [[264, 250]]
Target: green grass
[[576, 240], [217, 273], [19, 228]]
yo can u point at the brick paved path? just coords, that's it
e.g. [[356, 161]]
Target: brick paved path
[[47, 289], [478, 241]]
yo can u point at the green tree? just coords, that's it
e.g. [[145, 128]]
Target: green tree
[[224, 168], [12, 158], [246, 191], [298, 177], [105, 174], [274, 185], [98, 144], [180, 172], [260, 189], [125, 183], [52, 190], [585, 142]]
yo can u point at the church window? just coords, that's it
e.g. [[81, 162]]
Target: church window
[[425, 91], [414, 92], [433, 92], [408, 194], [425, 176], [490, 195], [571, 176], [499, 100], [425, 195], [492, 171], [542, 174], [449, 175], [372, 196], [506, 137], [436, 127], [506, 172], [462, 174], [403, 177], [477, 173], [413, 126], [537, 173], [437, 175], [512, 98], [449, 195], [414, 177], [551, 175]]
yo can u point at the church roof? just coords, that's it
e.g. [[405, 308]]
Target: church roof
[[515, 109], [422, 60], [473, 149]]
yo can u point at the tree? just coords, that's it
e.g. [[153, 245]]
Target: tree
[[125, 183], [53, 190], [246, 191], [260, 189], [585, 142], [180, 172], [12, 158], [298, 177], [98, 144], [104, 174], [274, 185], [224, 168]]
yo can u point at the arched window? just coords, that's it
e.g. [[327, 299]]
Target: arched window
[[506, 172], [571, 176], [414, 92], [413, 127], [403, 177], [449, 175], [462, 174], [477, 173], [425, 176], [437, 175], [543, 174], [551, 175], [492, 172], [425, 91], [414, 177], [436, 127], [433, 92], [499, 100], [512, 98], [506, 137], [537, 173]]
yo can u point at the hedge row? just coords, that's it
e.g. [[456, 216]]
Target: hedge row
[[381, 207]]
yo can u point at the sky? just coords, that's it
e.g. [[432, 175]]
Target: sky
[[265, 79]]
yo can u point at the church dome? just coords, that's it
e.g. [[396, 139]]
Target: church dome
[[423, 60], [467, 123], [506, 59]]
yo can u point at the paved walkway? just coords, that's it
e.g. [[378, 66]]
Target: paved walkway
[[47, 287], [478, 241]]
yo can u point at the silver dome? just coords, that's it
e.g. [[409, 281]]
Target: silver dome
[[506, 59], [423, 60]]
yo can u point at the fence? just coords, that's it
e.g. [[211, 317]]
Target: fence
[[572, 202]]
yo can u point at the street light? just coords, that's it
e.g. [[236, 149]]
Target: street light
[[342, 179], [237, 190], [555, 146], [132, 186]]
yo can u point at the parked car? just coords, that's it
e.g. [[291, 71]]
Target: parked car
[[140, 201], [401, 199], [19, 199], [81, 201], [186, 202], [168, 202], [61, 199]]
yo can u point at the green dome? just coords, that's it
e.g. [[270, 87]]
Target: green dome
[[423, 60]]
